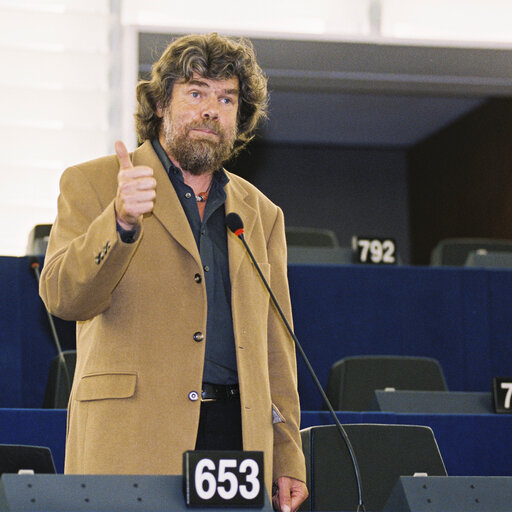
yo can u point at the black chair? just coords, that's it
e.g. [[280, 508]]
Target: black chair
[[489, 259], [353, 380], [60, 380], [455, 251], [14, 458], [310, 237], [320, 255], [38, 240], [383, 452], [316, 246]]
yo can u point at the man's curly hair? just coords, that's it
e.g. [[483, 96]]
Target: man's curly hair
[[211, 56]]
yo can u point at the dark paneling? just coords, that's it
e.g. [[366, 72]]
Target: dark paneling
[[460, 180], [350, 191]]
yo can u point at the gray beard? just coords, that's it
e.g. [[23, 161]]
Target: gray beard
[[199, 156]]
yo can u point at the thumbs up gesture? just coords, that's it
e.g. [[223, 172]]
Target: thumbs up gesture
[[136, 190]]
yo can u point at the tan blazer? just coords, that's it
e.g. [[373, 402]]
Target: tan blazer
[[138, 306]]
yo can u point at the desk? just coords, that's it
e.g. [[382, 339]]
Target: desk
[[471, 445], [433, 402], [459, 316]]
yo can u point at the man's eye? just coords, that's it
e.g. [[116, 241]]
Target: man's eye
[[194, 94], [226, 101]]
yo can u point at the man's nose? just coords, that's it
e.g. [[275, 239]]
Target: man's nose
[[210, 109]]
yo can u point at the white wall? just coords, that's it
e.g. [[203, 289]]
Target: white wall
[[54, 104], [61, 76]]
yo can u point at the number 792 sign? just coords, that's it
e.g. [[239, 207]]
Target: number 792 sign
[[223, 479], [380, 251]]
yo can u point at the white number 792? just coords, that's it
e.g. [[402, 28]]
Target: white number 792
[[379, 251]]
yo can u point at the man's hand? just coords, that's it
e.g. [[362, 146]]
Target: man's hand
[[289, 495], [136, 190]]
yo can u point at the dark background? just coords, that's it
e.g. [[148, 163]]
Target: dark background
[[408, 142]]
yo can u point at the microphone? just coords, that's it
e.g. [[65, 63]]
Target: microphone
[[236, 225], [34, 265]]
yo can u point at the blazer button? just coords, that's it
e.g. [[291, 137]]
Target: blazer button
[[198, 278], [193, 396], [198, 336]]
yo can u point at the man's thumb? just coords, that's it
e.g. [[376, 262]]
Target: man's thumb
[[122, 154]]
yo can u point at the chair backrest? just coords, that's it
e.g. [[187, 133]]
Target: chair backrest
[[353, 380], [38, 240], [60, 380], [13, 458], [454, 251], [482, 258], [311, 237], [383, 453], [320, 255]]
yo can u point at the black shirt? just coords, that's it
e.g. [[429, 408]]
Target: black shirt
[[211, 238]]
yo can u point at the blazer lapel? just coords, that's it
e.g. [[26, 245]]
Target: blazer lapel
[[236, 202], [168, 209]]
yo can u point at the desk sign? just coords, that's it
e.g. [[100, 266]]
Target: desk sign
[[502, 394], [380, 251], [223, 479]]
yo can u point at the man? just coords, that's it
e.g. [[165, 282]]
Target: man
[[178, 344]]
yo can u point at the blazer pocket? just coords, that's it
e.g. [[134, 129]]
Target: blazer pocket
[[277, 417], [103, 386]]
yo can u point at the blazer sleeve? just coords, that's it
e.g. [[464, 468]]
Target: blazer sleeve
[[288, 455], [86, 257]]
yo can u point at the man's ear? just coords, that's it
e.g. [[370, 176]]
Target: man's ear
[[159, 109]]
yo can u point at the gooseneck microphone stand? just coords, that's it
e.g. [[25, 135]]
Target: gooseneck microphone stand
[[62, 366], [235, 224]]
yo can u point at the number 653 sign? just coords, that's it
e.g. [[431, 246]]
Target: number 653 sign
[[223, 479]]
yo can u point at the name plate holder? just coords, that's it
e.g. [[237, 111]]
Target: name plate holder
[[450, 494], [97, 493]]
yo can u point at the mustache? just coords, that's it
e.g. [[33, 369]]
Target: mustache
[[211, 125]]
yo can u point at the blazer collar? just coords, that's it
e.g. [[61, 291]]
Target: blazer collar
[[168, 209], [236, 201], [169, 212]]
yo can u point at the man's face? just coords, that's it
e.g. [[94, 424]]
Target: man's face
[[199, 125]]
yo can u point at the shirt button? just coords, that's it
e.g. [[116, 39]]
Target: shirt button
[[198, 336], [198, 278], [203, 231], [206, 268], [193, 396], [188, 195]]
